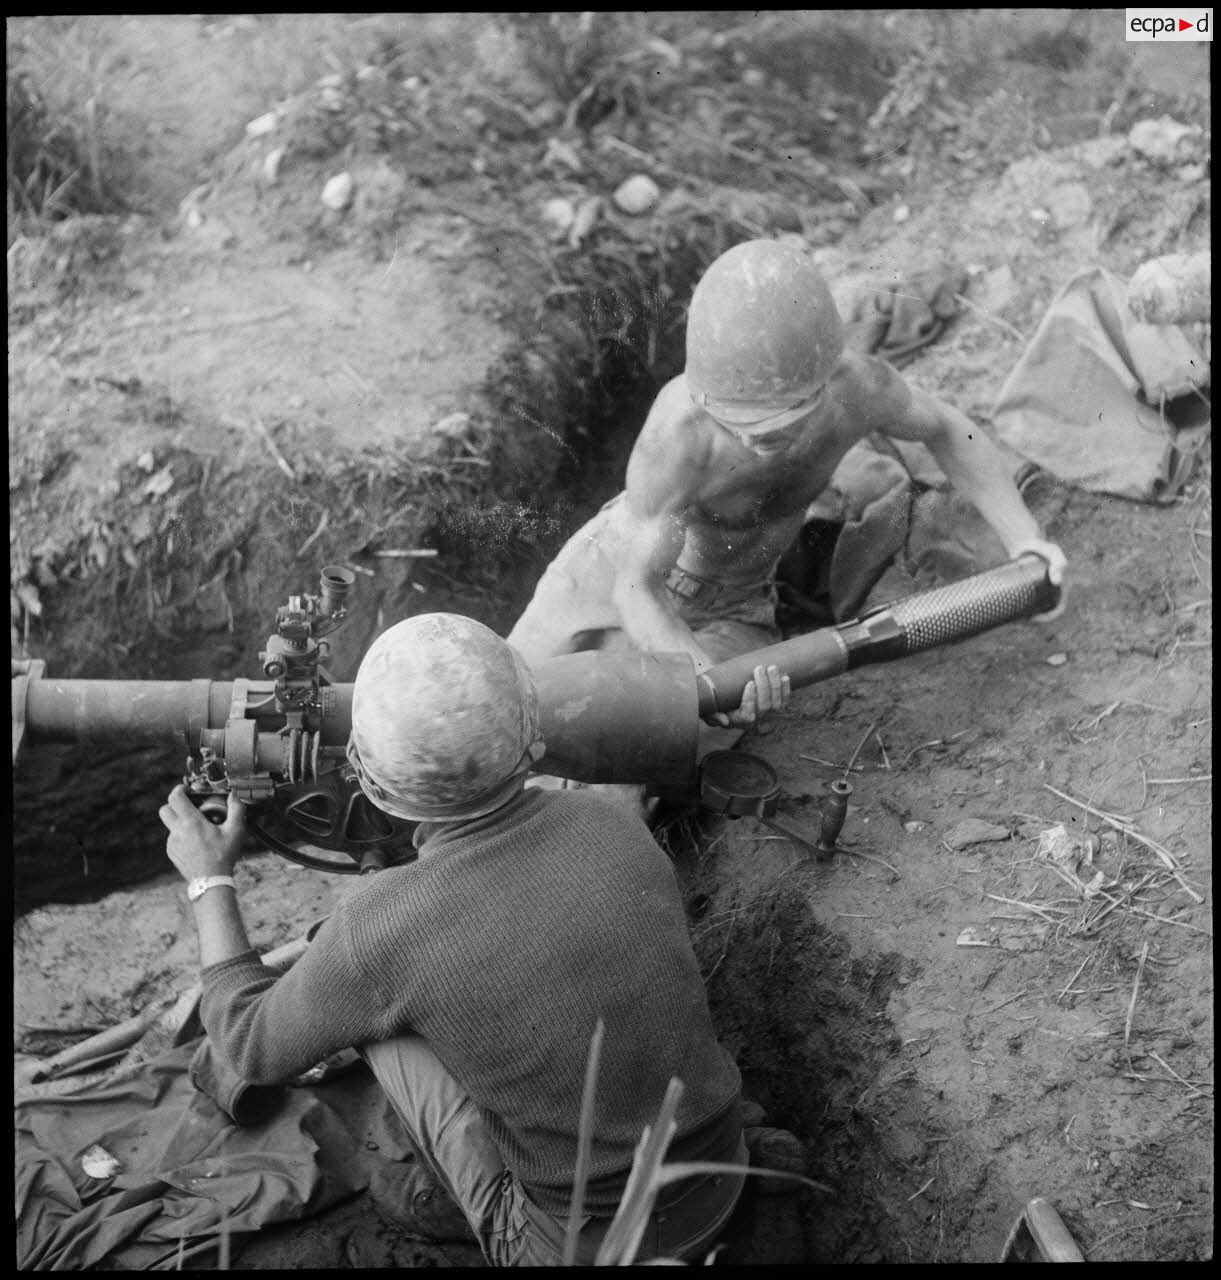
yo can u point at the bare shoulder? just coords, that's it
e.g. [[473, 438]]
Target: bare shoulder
[[873, 392], [672, 451]]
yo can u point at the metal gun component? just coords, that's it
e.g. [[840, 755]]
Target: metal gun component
[[833, 816], [738, 784], [278, 743]]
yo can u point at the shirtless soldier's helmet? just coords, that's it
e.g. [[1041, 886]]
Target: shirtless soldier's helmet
[[444, 719], [763, 332]]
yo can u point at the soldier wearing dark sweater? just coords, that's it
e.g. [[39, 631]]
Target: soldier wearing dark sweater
[[472, 979]]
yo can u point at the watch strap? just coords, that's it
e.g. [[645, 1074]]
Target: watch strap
[[198, 887]]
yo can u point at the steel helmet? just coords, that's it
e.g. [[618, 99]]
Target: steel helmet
[[763, 332], [444, 719]]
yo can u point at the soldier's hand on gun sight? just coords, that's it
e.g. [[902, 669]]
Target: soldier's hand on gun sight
[[197, 847], [768, 691]]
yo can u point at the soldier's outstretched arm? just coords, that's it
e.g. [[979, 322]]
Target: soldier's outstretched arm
[[978, 470]]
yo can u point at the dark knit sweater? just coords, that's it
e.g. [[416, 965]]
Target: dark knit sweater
[[502, 946]]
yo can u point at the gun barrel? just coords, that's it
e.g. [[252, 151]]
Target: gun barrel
[[137, 711], [149, 711]]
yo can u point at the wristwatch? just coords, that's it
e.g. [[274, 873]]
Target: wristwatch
[[198, 887]]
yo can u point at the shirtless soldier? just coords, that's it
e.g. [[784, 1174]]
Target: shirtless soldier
[[733, 452]]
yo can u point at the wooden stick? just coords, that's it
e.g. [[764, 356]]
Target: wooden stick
[[869, 857], [281, 461], [829, 764], [1182, 924], [1073, 979], [413, 553], [1169, 782], [922, 1190], [318, 532], [1015, 902], [1003, 1003], [123, 1035], [1140, 968], [1003, 325], [936, 742], [1162, 1063], [859, 746]]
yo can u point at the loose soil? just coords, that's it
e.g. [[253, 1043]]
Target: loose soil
[[950, 1025]]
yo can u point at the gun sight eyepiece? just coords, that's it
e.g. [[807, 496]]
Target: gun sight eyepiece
[[336, 582]]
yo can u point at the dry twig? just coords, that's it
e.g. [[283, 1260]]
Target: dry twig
[[1162, 1063], [318, 532], [828, 764], [1140, 969], [1003, 325], [1130, 831], [936, 742], [1029, 906], [281, 461], [859, 747]]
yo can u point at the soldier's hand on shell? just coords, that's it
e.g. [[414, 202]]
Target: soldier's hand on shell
[[1057, 566], [768, 691]]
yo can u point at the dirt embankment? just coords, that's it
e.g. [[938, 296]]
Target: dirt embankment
[[206, 405]]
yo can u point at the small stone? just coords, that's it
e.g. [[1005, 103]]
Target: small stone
[[1166, 141], [1070, 204], [559, 214], [1057, 659], [997, 290], [407, 1196], [1190, 173], [637, 195], [902, 213], [974, 831], [587, 215], [562, 153], [914, 827], [1040, 215], [753, 1114], [270, 168], [1175, 288], [337, 194], [776, 1149], [754, 78], [262, 125], [147, 462]]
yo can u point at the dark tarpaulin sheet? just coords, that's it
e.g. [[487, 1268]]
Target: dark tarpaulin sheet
[[186, 1171]]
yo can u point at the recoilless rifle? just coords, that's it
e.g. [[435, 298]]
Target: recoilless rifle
[[278, 743]]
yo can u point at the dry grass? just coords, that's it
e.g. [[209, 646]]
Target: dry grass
[[64, 128]]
